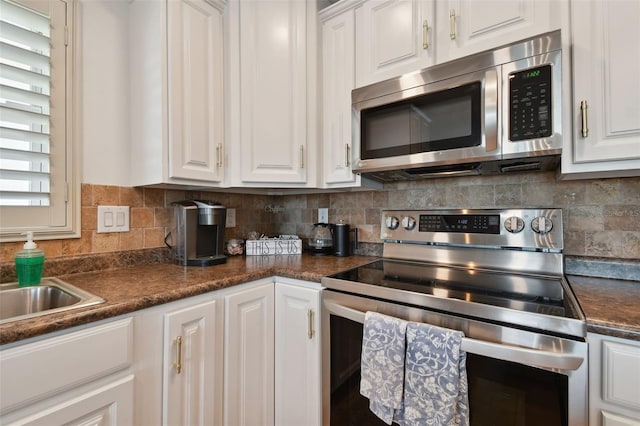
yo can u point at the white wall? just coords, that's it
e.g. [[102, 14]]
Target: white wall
[[103, 45]]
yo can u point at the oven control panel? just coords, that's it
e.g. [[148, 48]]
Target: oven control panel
[[535, 229]]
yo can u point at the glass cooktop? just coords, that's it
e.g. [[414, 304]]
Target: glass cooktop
[[433, 286]]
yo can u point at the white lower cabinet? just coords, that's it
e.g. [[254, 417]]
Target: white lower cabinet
[[614, 381], [272, 342], [298, 358], [191, 371], [179, 363], [77, 377], [249, 343]]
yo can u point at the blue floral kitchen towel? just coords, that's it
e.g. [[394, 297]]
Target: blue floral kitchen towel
[[382, 363], [435, 383]]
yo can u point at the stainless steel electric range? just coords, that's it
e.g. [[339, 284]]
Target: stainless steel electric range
[[496, 275]]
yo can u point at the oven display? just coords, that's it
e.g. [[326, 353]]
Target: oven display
[[462, 223]]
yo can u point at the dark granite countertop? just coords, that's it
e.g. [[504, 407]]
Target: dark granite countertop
[[612, 307], [130, 289]]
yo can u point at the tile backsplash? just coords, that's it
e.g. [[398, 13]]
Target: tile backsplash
[[602, 217]]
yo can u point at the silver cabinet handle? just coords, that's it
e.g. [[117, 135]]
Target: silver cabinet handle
[[584, 112], [310, 331], [178, 364], [347, 155], [302, 156], [219, 155], [452, 24], [425, 34]]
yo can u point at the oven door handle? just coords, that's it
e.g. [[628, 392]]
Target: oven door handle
[[520, 355]]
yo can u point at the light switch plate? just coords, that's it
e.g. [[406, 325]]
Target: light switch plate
[[323, 215], [231, 218], [113, 219]]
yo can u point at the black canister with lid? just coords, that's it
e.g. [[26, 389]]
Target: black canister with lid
[[342, 239]]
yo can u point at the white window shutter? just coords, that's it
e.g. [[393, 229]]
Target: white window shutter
[[25, 58]]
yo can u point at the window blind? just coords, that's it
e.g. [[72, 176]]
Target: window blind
[[25, 57]]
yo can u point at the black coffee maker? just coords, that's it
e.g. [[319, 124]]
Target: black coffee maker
[[199, 232]]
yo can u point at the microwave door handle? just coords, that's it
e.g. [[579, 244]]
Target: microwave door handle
[[532, 357]]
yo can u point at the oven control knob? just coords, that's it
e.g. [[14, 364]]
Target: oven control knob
[[392, 222], [408, 223], [514, 224], [541, 225]]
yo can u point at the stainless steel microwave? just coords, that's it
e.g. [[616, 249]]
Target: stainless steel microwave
[[498, 111]]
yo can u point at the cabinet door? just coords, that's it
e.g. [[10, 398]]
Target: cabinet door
[[106, 405], [606, 59], [273, 91], [248, 382], [196, 92], [297, 367], [338, 73], [470, 26], [393, 37], [191, 366]]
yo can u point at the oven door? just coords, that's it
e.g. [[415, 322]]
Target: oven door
[[515, 377]]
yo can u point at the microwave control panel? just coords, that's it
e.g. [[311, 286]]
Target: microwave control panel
[[530, 103]]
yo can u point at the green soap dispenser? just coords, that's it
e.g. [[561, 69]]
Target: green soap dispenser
[[29, 263]]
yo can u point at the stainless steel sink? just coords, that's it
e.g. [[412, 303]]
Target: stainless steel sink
[[52, 295]]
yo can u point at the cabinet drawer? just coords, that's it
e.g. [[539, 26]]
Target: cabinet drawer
[[621, 375], [34, 371]]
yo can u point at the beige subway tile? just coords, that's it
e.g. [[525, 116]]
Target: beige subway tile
[[132, 240], [574, 243], [132, 197], [508, 195], [622, 218], [89, 218], [163, 217], [172, 195], [584, 218], [605, 191], [86, 195], [78, 246], [106, 242], [154, 237], [604, 244], [630, 191], [569, 193], [142, 217], [631, 245], [105, 195], [153, 197]]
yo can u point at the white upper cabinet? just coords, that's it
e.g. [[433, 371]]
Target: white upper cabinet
[[605, 108], [177, 92], [272, 100], [465, 27], [338, 73], [393, 37]]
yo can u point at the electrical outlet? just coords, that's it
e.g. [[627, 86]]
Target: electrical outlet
[[323, 215], [113, 219], [231, 218]]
